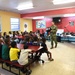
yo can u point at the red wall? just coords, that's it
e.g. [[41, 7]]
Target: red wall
[[50, 12], [64, 23], [48, 24], [65, 20]]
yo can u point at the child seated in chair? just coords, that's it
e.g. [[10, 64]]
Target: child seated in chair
[[44, 49]]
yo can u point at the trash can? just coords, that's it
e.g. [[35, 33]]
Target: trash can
[[59, 38]]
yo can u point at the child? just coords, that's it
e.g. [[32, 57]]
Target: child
[[23, 59], [5, 49], [44, 49], [14, 52], [1, 43]]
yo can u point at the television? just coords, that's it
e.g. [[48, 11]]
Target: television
[[57, 19]]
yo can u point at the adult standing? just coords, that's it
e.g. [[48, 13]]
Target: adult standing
[[53, 30]]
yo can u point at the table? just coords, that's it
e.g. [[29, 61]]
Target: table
[[32, 47]]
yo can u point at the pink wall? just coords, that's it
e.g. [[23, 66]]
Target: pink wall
[[64, 23]]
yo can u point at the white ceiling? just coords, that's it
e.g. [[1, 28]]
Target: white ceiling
[[39, 5]]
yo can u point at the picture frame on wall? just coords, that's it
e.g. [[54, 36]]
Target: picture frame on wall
[[41, 24], [71, 23], [25, 27]]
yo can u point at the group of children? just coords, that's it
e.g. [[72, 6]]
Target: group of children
[[9, 51]]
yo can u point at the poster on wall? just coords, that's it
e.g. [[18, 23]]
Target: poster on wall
[[41, 24], [26, 27]]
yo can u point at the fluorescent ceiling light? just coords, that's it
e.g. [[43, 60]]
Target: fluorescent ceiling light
[[39, 17], [69, 15], [55, 2], [24, 6]]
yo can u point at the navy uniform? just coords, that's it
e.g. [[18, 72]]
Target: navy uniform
[[53, 37]]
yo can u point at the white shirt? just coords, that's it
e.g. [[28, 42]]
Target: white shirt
[[11, 35], [23, 59]]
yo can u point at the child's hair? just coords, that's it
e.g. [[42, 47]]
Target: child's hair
[[4, 33], [43, 40], [25, 46], [13, 44], [6, 41], [7, 36], [10, 32]]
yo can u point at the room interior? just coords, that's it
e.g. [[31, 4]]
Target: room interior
[[47, 10], [44, 10]]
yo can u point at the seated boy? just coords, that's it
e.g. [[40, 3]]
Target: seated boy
[[44, 49], [23, 59], [13, 54]]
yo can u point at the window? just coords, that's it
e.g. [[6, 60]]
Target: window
[[15, 24], [0, 25]]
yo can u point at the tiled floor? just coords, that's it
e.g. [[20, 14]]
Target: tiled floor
[[63, 64], [4, 72]]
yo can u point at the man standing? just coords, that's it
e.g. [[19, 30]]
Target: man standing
[[53, 30]]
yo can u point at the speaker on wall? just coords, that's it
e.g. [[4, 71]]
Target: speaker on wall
[[57, 19]]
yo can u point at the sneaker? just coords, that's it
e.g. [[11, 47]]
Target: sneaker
[[51, 59], [55, 46], [24, 70], [51, 48], [7, 64], [29, 72]]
